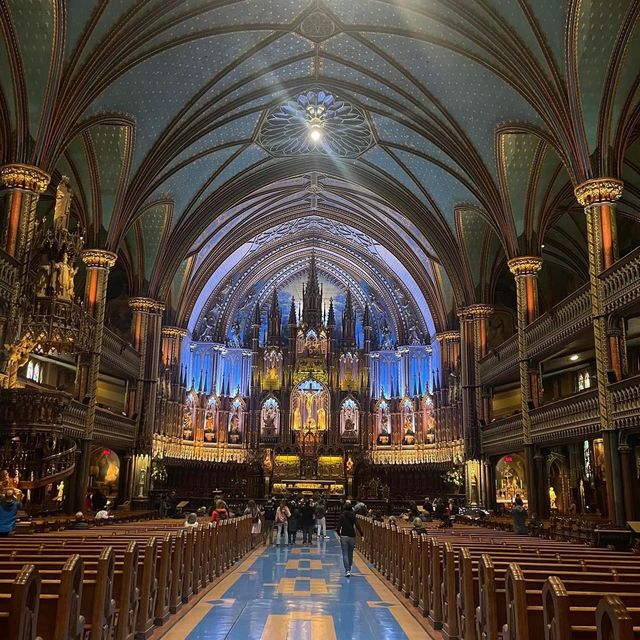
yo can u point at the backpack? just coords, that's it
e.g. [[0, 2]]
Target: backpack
[[281, 515], [269, 512]]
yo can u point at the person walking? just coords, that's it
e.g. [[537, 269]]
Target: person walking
[[269, 521], [346, 529], [519, 515], [282, 518], [307, 520], [321, 520]]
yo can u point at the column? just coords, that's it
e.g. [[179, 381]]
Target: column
[[525, 270], [473, 330], [449, 362], [23, 184], [98, 263], [146, 335], [598, 197]]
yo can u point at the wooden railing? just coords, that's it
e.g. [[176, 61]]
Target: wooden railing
[[565, 320], [626, 402], [8, 272], [111, 428], [506, 432]]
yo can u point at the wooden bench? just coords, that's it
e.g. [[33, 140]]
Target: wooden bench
[[20, 604]]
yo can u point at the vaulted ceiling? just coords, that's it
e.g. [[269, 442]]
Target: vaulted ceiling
[[459, 131]]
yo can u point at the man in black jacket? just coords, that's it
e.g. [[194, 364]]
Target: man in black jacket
[[346, 529], [269, 521]]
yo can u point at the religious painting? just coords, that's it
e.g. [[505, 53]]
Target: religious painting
[[383, 422], [270, 418], [105, 468], [349, 419], [310, 407]]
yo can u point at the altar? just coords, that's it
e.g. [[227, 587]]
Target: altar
[[306, 486]]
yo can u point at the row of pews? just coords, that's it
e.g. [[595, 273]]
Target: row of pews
[[486, 585], [117, 582]]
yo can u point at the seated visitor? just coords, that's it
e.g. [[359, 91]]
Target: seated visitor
[[79, 522], [191, 521], [220, 512]]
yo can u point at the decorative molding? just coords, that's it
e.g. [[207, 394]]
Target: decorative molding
[[146, 305], [598, 191], [448, 336], [525, 266], [98, 258], [24, 176], [476, 312], [174, 332]]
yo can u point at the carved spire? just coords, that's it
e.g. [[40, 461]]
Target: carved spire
[[312, 297], [331, 316], [256, 316], [366, 316], [274, 328], [292, 312], [348, 322]]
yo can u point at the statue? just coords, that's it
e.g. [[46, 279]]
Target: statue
[[349, 427], [409, 434], [349, 465], [63, 275], [552, 499], [60, 496], [6, 482], [235, 340], [187, 431], [385, 336], [235, 437], [63, 204], [267, 464], [384, 438], [414, 336], [268, 426]]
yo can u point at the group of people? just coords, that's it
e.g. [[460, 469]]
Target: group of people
[[291, 516]]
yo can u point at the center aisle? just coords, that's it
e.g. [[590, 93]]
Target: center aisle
[[298, 593]]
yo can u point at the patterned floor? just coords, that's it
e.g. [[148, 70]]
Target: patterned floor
[[298, 593]]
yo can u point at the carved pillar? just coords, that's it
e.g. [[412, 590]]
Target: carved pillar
[[598, 197], [473, 332], [525, 270], [23, 185], [172, 338], [146, 334], [98, 263]]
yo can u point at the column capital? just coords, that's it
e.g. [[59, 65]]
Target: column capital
[[24, 176], [99, 258], [599, 190], [476, 311], [174, 332], [525, 265], [146, 305], [448, 336]]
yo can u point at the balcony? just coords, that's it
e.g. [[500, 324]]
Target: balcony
[[119, 356], [110, 428], [626, 403], [544, 336], [501, 436]]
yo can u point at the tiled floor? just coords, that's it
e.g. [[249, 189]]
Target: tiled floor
[[298, 593]]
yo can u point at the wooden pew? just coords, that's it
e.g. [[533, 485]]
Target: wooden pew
[[615, 621], [573, 614], [19, 604]]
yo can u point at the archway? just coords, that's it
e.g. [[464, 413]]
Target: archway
[[510, 480]]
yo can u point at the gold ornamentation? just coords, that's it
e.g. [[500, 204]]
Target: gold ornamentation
[[476, 311], [99, 258], [599, 190], [24, 176], [174, 332], [146, 305], [448, 336], [525, 265]]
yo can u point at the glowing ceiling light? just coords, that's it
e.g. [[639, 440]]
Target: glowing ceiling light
[[315, 134], [574, 357], [315, 128]]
